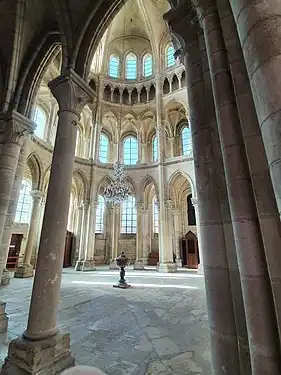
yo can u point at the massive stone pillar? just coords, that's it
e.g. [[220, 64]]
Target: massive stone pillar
[[260, 40], [260, 176], [26, 269], [43, 348], [139, 265], [16, 128], [223, 334], [257, 294]]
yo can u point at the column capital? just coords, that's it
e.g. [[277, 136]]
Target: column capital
[[15, 127], [37, 195], [204, 7], [71, 92], [183, 25], [169, 204], [95, 204], [139, 207]]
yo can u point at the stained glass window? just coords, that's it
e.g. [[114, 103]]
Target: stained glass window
[[130, 146], [147, 65], [24, 203], [100, 215], [131, 66], [155, 215], [155, 148], [186, 141], [170, 59], [129, 216], [113, 67], [40, 121], [103, 150]]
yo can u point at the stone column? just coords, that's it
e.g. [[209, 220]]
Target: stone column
[[139, 242], [16, 128], [171, 146], [26, 269], [177, 219], [7, 233], [42, 345], [89, 263], [166, 263], [146, 238], [78, 228], [223, 335], [257, 294], [115, 236], [83, 263], [260, 39], [11, 214], [200, 269], [260, 175]]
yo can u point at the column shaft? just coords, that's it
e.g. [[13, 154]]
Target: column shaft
[[259, 36], [26, 269], [11, 214], [252, 264], [260, 176], [139, 240], [115, 236], [223, 335]]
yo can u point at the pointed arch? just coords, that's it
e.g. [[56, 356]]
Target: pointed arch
[[104, 182], [82, 184], [146, 185], [172, 180], [35, 165]]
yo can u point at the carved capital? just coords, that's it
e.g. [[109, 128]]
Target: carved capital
[[169, 204], [139, 207], [95, 204], [37, 196], [71, 92], [15, 127], [204, 7], [183, 24]]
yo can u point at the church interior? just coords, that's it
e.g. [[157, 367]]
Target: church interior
[[148, 128]]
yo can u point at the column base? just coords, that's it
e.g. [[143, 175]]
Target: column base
[[113, 265], [167, 267], [87, 265], [45, 357], [23, 271], [5, 280], [3, 318], [139, 265], [179, 263], [200, 269]]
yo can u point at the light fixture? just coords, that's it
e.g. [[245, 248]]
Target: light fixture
[[117, 192]]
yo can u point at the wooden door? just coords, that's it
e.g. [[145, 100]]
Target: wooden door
[[192, 250], [14, 251], [68, 249]]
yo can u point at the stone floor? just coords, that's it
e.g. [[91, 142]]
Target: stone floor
[[158, 326]]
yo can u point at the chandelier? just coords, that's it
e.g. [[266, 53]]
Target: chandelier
[[117, 192]]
